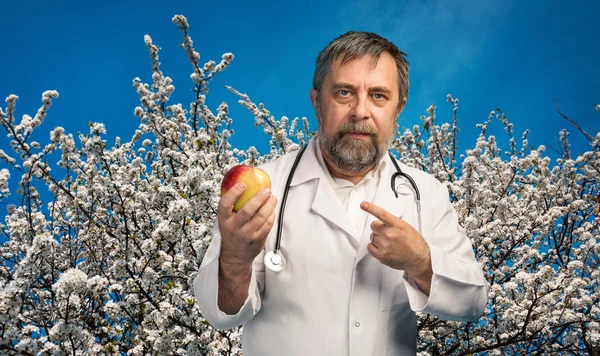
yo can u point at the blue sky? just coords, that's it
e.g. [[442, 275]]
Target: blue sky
[[513, 55]]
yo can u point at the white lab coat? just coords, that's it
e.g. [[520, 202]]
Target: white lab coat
[[334, 298]]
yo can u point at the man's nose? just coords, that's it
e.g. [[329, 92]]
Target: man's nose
[[360, 108]]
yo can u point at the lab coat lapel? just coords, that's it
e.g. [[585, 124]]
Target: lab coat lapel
[[385, 198], [325, 202]]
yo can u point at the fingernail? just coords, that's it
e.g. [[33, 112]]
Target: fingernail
[[242, 185], [266, 191]]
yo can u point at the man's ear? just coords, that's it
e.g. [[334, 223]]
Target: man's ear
[[401, 107], [313, 98]]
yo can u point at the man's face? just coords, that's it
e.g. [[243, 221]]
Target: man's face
[[357, 111]]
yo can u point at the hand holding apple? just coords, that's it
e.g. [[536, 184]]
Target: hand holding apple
[[246, 215]]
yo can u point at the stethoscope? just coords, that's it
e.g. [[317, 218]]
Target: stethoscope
[[275, 261]]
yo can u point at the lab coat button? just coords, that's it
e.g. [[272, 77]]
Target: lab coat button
[[357, 324]]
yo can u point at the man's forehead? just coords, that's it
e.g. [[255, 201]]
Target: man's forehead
[[386, 76], [347, 58]]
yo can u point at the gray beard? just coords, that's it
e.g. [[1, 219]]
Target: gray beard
[[354, 155]]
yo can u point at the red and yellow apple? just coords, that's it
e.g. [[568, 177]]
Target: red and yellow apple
[[254, 178]]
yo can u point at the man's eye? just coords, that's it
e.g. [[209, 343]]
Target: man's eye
[[344, 92], [379, 96]]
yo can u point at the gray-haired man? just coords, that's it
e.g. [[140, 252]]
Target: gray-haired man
[[362, 256]]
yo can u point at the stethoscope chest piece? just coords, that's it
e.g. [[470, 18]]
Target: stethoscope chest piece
[[275, 261]]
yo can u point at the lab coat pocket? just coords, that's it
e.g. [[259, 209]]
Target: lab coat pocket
[[393, 291]]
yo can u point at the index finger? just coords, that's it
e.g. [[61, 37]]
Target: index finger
[[228, 199], [380, 213]]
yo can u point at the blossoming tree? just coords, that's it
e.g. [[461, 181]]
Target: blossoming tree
[[106, 265]]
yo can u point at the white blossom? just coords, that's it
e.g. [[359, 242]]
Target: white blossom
[[71, 281]]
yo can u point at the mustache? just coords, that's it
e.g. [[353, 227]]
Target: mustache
[[354, 128]]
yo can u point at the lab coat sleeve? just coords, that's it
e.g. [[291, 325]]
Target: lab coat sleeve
[[458, 287], [206, 288]]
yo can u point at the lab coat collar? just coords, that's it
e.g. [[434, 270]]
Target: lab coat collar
[[308, 167], [325, 202]]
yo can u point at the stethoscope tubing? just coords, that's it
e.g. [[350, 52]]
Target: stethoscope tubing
[[284, 198]]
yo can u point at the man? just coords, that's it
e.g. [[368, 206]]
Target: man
[[357, 267]]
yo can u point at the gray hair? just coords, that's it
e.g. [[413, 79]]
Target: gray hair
[[354, 45]]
